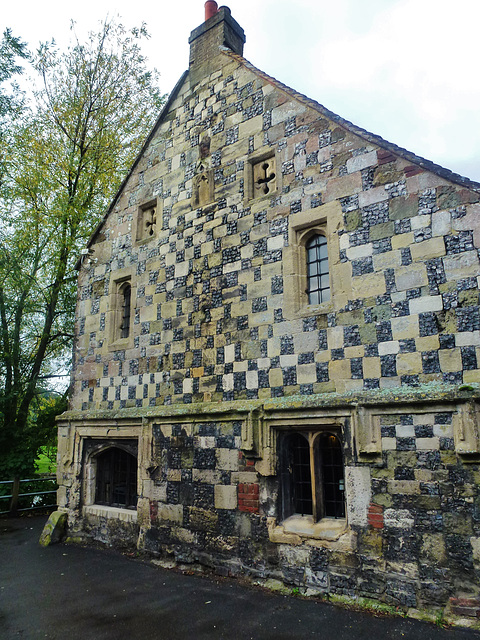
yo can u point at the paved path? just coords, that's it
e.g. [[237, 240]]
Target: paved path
[[72, 593]]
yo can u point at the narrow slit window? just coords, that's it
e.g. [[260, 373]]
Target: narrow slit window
[[318, 275], [126, 292]]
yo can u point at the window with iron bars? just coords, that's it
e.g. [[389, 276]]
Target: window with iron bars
[[312, 481]]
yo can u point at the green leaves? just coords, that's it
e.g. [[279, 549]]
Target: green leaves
[[64, 157]]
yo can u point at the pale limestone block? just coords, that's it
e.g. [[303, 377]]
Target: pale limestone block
[[385, 348], [289, 360], [441, 223], [389, 444], [170, 512], [305, 341], [425, 444], [371, 368], [432, 248], [225, 496], [247, 252], [423, 181], [335, 337], [475, 542], [372, 196], [240, 366], [404, 430], [343, 186], [228, 382], [229, 352], [306, 373], [275, 377], [187, 385], [420, 222], [227, 459], [362, 251], [388, 260], [252, 379], [450, 360], [470, 221], [462, 265], [358, 493], [339, 369], [443, 430], [285, 111], [471, 376], [398, 518], [372, 284], [205, 442], [174, 475], [357, 163], [408, 487], [426, 303], [427, 343], [402, 240], [467, 338], [404, 327], [355, 352], [275, 243], [344, 241], [411, 277], [409, 363]]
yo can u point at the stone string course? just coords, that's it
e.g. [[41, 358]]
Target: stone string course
[[211, 324]]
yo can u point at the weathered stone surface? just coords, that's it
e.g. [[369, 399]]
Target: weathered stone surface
[[54, 529]]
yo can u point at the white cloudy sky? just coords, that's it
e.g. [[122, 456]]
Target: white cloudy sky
[[404, 69]]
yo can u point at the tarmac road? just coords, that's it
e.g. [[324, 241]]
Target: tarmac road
[[82, 593]]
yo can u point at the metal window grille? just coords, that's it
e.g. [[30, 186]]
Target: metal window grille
[[126, 307], [318, 279], [116, 479], [301, 475], [333, 481]]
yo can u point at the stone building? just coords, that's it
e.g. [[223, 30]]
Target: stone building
[[276, 361]]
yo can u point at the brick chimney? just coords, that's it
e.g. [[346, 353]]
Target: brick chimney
[[219, 29]]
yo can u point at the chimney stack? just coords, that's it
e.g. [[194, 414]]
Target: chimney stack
[[219, 29], [211, 8]]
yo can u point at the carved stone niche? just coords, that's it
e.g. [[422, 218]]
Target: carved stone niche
[[203, 188], [147, 221], [466, 430]]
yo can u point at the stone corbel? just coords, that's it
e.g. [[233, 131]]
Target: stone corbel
[[466, 427], [251, 433], [367, 431]]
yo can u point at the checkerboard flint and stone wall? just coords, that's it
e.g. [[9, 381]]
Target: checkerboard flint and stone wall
[[213, 323], [209, 322]]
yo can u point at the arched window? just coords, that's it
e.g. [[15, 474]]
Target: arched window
[[126, 298], [318, 277], [311, 475], [116, 478]]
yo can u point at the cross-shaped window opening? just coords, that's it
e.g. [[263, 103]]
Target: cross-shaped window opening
[[265, 176]]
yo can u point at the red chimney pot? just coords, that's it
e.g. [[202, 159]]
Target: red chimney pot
[[211, 8]]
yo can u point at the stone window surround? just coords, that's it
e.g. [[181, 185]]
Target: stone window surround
[[90, 476], [138, 225], [114, 313], [302, 226], [254, 159]]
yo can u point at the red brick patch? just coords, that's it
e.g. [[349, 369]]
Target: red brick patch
[[153, 510], [248, 497], [469, 607], [412, 170], [385, 156], [375, 516]]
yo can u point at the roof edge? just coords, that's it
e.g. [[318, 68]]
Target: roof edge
[[149, 138], [428, 165]]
